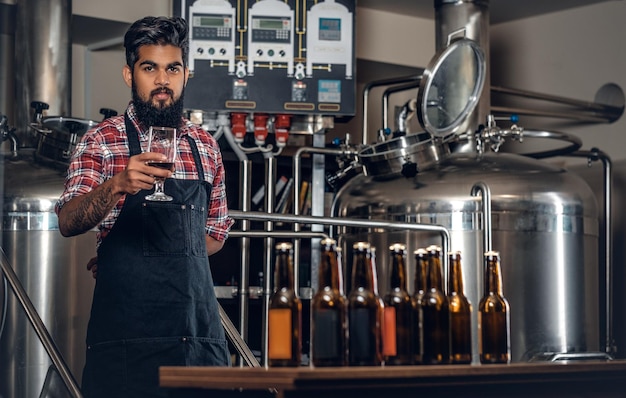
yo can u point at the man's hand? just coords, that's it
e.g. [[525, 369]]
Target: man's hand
[[138, 175], [84, 212], [92, 266]]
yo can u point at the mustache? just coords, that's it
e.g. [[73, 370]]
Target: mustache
[[162, 90]]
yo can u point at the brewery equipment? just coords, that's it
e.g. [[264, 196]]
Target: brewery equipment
[[543, 220], [52, 270]]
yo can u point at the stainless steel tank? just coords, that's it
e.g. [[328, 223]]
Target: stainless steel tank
[[544, 220], [545, 225], [7, 45], [52, 270]]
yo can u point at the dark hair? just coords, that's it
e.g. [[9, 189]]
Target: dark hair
[[156, 30]]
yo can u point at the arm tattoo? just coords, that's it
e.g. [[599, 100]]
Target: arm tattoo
[[91, 210]]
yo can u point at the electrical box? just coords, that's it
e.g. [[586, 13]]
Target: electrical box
[[271, 56]]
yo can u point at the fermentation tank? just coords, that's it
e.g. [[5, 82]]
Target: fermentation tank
[[51, 268], [544, 220]]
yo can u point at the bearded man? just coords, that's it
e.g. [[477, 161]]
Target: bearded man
[[154, 303]]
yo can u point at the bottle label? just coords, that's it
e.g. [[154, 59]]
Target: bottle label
[[327, 331], [279, 333], [389, 332], [361, 335]]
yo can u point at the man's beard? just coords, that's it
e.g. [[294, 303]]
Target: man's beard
[[162, 115]]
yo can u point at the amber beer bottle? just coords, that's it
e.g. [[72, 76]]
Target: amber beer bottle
[[285, 313], [419, 288], [329, 310], [397, 338], [364, 311], [494, 315], [460, 313], [435, 313]]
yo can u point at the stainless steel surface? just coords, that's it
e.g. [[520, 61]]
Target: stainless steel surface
[[413, 82], [57, 138], [366, 93], [574, 109], [38, 325], [500, 10], [483, 189], [473, 17], [52, 270], [270, 179], [7, 59], [245, 176], [451, 87], [391, 157], [238, 342], [609, 266], [544, 222], [43, 62]]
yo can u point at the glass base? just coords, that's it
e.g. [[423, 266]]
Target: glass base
[[159, 197]]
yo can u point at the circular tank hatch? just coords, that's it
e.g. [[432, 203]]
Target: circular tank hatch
[[450, 87]]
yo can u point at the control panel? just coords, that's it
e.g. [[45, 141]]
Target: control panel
[[271, 56], [212, 34]]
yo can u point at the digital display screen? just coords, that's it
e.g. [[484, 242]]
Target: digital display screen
[[270, 23], [330, 29], [210, 21]]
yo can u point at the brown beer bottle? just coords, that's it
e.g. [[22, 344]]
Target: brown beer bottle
[[364, 311], [460, 313], [494, 315], [329, 310], [419, 288], [397, 338], [435, 313], [285, 313]]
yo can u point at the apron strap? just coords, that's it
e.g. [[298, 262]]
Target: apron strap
[[133, 136]]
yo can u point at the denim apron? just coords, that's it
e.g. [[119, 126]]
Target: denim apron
[[154, 303]]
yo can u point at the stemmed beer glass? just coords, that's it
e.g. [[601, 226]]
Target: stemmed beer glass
[[161, 140]]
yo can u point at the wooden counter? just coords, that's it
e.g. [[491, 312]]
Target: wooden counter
[[589, 379]]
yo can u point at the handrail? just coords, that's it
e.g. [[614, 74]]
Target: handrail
[[40, 328], [593, 155]]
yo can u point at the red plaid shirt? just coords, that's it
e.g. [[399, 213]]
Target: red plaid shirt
[[103, 152]]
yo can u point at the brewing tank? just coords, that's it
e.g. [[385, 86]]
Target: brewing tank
[[544, 224], [51, 268]]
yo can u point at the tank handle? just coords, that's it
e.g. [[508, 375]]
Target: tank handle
[[483, 189]]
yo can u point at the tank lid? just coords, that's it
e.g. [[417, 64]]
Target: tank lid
[[450, 87]]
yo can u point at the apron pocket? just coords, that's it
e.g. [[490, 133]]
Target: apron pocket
[[165, 229]]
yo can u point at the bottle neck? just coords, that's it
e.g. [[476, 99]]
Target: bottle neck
[[362, 271], [329, 275], [435, 279], [397, 278], [421, 274], [455, 281], [493, 277], [284, 271]]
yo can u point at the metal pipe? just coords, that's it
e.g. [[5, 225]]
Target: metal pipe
[[40, 328], [347, 222], [270, 181], [297, 181], [561, 115], [377, 83], [245, 170], [483, 189], [392, 90], [277, 234], [604, 112], [593, 155], [240, 345]]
